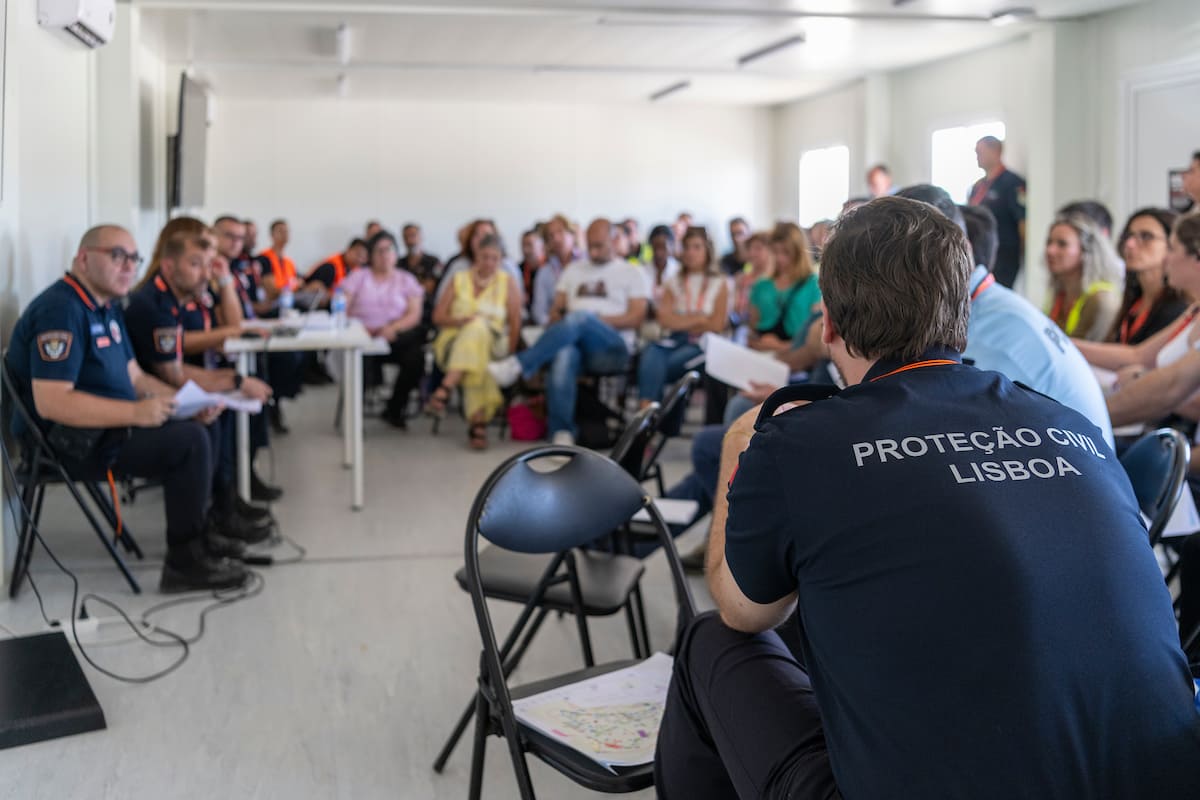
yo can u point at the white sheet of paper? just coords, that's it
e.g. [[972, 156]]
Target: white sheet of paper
[[190, 400], [738, 366], [674, 512]]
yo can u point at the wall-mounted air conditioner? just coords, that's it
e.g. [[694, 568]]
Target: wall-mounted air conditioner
[[90, 22]]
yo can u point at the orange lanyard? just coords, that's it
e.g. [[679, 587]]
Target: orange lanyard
[[983, 285], [937, 362], [1131, 324]]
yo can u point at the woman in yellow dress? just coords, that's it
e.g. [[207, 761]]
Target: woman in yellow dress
[[478, 320]]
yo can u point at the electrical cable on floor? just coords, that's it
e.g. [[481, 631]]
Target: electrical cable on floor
[[224, 597]]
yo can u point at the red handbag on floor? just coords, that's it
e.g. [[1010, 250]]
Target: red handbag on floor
[[527, 419]]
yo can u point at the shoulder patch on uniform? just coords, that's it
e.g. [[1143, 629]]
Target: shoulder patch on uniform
[[166, 340], [54, 345]]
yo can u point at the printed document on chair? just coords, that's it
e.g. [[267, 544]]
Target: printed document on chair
[[612, 718], [739, 366]]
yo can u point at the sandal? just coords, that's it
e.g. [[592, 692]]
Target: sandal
[[477, 436], [435, 406]]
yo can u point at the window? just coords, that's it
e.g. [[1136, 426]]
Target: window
[[824, 183], [954, 165]]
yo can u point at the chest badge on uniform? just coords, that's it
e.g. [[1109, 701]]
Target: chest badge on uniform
[[115, 330], [54, 345], [165, 340]]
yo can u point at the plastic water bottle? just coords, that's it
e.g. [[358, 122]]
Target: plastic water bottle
[[287, 302], [337, 308]]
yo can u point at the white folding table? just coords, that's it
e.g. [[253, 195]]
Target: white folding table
[[351, 341]]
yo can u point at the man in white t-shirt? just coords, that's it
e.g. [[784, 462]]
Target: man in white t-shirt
[[598, 305]]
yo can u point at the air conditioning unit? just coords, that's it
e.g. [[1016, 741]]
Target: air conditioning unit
[[90, 22]]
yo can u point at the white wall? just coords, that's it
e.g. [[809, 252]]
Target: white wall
[[328, 165], [831, 119]]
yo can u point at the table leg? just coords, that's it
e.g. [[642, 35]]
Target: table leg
[[349, 380], [243, 436], [356, 428]]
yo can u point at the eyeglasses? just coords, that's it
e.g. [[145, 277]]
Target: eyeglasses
[[1145, 237], [119, 255]]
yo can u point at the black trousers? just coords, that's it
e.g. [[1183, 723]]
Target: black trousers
[[741, 720], [178, 454], [408, 352]]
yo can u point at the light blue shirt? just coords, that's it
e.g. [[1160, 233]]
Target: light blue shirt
[[1008, 335], [545, 283]]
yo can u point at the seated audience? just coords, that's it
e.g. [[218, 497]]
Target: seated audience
[[817, 235], [469, 239], [166, 305], [283, 371], [662, 265], [389, 301], [1144, 369], [1150, 303], [639, 251], [533, 256], [1095, 211], [426, 267], [733, 262], [678, 229], [561, 249], [1173, 341], [896, 604], [478, 320], [278, 271], [1086, 278], [597, 309], [694, 302], [73, 366], [372, 227], [329, 274], [760, 263], [780, 304]]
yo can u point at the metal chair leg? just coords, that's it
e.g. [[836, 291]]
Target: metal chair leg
[[126, 538], [31, 498], [480, 747], [510, 664], [641, 612], [634, 637], [108, 545]]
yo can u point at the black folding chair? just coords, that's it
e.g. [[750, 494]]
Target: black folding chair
[[39, 467], [633, 445], [553, 514], [1157, 466], [673, 409], [608, 583]]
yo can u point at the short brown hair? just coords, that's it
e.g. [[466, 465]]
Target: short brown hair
[[894, 277], [1187, 231]]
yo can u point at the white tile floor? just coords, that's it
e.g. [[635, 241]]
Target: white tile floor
[[343, 677]]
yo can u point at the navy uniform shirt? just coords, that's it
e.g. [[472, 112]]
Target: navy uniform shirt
[[1005, 198], [65, 335], [155, 327], [249, 284], [981, 613]]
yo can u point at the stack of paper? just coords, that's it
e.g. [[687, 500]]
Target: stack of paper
[[612, 718], [190, 400]]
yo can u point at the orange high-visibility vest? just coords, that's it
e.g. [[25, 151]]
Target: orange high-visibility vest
[[283, 270], [339, 269]]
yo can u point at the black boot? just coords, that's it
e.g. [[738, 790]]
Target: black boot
[[220, 546], [252, 513], [275, 415], [262, 491], [191, 569]]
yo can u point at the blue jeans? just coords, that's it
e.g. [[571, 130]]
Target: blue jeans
[[738, 404], [578, 342], [701, 483], [659, 365]]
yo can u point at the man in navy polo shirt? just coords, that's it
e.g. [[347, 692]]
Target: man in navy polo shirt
[[160, 312], [72, 364], [926, 524]]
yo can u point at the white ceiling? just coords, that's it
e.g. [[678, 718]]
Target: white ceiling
[[571, 50]]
